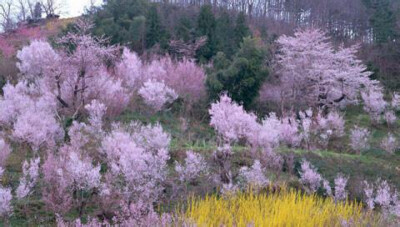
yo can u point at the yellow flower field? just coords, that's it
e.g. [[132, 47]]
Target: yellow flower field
[[287, 208]]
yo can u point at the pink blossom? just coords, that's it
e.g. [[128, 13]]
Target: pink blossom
[[81, 172], [30, 171], [327, 187], [142, 170], [230, 120], [57, 186], [110, 92], [185, 77], [374, 104], [310, 177], [369, 194], [129, 69], [384, 196], [289, 132], [340, 187], [390, 117], [266, 134], [5, 202], [359, 139], [96, 111], [313, 74], [157, 94], [37, 59], [151, 137], [5, 151], [254, 176], [194, 166], [389, 143], [395, 101], [38, 128]]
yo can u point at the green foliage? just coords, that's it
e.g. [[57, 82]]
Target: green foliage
[[241, 29], [242, 77], [224, 31], [124, 21], [185, 29], [206, 26], [383, 20], [156, 32]]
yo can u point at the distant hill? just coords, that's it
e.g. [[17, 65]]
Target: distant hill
[[10, 42]]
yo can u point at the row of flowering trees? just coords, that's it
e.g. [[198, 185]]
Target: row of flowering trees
[[124, 170]]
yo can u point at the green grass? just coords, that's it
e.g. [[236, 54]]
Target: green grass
[[195, 134]]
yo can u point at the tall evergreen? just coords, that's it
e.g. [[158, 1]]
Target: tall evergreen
[[241, 29], [206, 26], [224, 31], [185, 29], [155, 32], [383, 20]]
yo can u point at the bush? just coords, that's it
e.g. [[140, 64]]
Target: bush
[[242, 77]]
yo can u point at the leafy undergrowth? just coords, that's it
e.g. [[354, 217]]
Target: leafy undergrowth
[[284, 208]]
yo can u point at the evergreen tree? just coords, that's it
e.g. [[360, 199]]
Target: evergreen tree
[[206, 26], [185, 29], [122, 21], [155, 31], [383, 20], [37, 13], [224, 31], [241, 29], [242, 77]]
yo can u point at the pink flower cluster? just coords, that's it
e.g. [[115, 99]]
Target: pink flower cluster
[[382, 195], [194, 166], [157, 94], [312, 73], [359, 139]]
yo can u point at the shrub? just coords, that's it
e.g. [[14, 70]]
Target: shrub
[[389, 143], [253, 177], [359, 139], [310, 177]]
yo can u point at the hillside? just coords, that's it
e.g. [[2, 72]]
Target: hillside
[[146, 113]]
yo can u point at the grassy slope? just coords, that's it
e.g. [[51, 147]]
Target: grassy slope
[[200, 137]]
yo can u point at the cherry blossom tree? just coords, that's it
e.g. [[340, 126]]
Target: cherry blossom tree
[[340, 187], [37, 60], [31, 113], [130, 69], [5, 202], [5, 151], [374, 104], [310, 177], [142, 170], [30, 171], [76, 72], [390, 143], [230, 120], [359, 139], [312, 73], [194, 166], [383, 195], [156, 94], [253, 176]]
